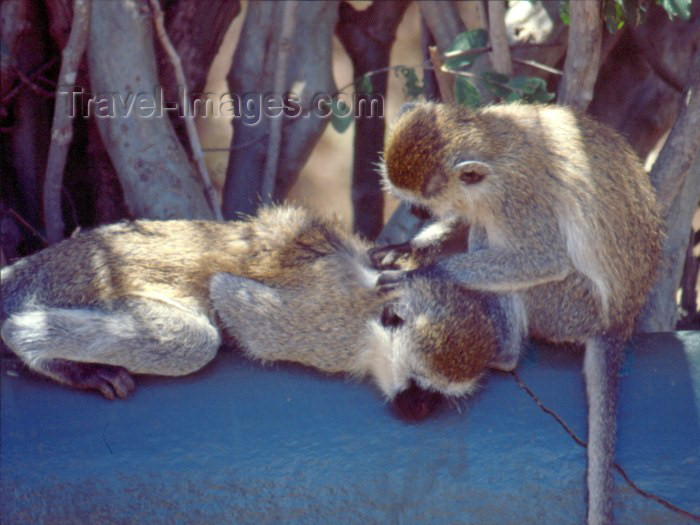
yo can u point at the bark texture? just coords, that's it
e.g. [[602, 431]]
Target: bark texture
[[252, 73], [156, 176]]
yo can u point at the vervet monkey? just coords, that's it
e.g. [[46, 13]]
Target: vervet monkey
[[151, 297], [563, 219]]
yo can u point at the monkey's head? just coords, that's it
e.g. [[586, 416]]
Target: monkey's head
[[436, 340], [441, 157]]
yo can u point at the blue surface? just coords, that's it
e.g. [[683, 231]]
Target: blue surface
[[242, 443]]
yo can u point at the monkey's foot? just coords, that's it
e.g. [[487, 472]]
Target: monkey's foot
[[108, 379]]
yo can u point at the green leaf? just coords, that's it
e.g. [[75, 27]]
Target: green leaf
[[364, 84], [680, 8], [529, 89], [496, 83], [614, 15], [465, 93], [474, 39], [527, 85], [413, 87], [514, 97], [564, 12], [341, 117]]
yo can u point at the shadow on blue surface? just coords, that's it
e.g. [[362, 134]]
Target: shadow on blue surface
[[242, 443]]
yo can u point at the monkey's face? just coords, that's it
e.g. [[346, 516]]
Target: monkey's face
[[434, 341], [436, 156]]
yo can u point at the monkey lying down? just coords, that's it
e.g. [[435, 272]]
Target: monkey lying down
[[153, 297]]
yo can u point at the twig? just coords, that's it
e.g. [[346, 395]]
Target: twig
[[62, 127], [239, 146], [29, 81], [443, 20], [616, 465], [582, 55], [657, 65], [26, 224], [30, 77], [195, 145], [444, 79], [500, 56], [539, 65], [489, 49], [284, 49]]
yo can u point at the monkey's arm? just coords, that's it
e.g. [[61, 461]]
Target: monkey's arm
[[507, 270], [252, 312]]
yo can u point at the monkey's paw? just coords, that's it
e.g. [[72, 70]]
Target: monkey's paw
[[389, 280], [387, 257], [109, 380]]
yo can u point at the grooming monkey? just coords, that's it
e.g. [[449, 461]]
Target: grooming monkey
[[151, 297], [563, 219]]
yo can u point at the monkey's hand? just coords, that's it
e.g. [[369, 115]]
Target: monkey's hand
[[387, 257], [389, 280]]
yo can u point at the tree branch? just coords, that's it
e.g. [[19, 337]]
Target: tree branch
[[651, 56], [253, 72], [676, 177], [62, 127], [582, 56], [500, 57], [443, 21], [367, 37], [155, 173], [196, 29], [444, 79], [691, 268], [192, 134], [672, 167], [284, 49]]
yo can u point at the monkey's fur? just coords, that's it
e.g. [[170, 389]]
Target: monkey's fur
[[151, 297], [563, 218]]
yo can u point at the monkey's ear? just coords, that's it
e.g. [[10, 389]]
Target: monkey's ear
[[471, 171], [390, 319]]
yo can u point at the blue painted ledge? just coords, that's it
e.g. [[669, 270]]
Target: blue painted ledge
[[239, 443]]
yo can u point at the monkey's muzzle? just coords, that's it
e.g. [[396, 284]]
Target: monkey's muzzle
[[415, 404]]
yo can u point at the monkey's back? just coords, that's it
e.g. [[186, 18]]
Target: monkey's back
[[103, 266], [173, 260], [587, 176], [555, 184]]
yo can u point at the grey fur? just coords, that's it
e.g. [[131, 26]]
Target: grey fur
[[564, 220]]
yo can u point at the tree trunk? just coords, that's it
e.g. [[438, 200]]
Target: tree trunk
[[582, 55], [676, 177], [630, 95], [367, 36], [251, 77], [196, 29], [155, 173]]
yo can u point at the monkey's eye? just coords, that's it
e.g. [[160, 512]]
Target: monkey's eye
[[421, 212], [390, 319], [471, 177], [471, 171]]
